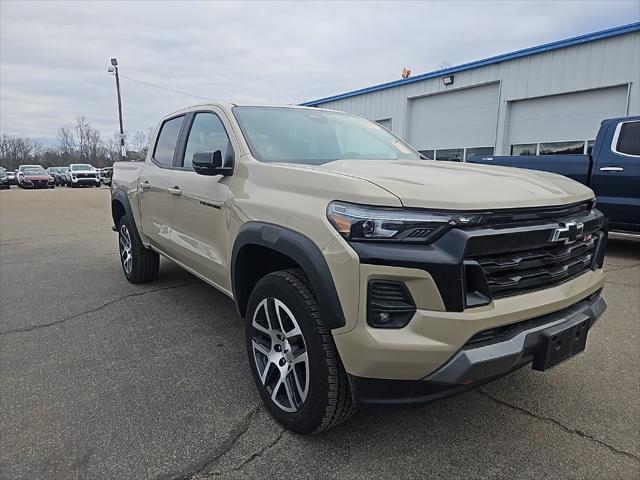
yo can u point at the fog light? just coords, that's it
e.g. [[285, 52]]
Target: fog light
[[389, 304]]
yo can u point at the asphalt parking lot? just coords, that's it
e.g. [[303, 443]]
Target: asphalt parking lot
[[101, 379]]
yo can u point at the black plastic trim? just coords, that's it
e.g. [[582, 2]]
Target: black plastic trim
[[120, 196], [444, 259], [303, 251], [462, 375]]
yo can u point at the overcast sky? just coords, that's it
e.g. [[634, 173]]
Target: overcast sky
[[54, 55]]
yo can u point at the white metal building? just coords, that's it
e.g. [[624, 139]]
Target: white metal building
[[545, 99]]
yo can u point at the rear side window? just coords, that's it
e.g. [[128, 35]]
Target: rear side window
[[629, 139], [167, 140], [207, 134]]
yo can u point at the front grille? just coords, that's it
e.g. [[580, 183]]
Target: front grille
[[533, 269]]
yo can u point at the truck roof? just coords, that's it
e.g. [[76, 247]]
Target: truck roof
[[228, 105]]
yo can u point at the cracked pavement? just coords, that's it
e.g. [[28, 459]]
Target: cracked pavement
[[100, 379]]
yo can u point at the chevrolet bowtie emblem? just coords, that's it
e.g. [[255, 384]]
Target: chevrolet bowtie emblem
[[569, 233]]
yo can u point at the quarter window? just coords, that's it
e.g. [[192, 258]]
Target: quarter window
[[629, 139], [427, 154], [562, 148], [207, 134], [167, 139]]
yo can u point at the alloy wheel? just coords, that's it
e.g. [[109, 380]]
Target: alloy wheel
[[280, 354], [125, 249]]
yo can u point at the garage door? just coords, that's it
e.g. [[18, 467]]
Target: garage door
[[564, 118], [456, 119]]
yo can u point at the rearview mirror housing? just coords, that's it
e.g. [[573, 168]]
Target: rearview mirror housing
[[211, 163]]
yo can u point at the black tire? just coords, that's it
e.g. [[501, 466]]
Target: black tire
[[328, 399], [144, 264]]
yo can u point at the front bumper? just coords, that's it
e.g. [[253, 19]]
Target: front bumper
[[85, 181], [476, 362], [37, 184]]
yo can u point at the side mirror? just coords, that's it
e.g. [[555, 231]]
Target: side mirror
[[210, 163]]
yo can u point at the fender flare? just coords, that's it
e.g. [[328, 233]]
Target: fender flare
[[120, 196], [304, 252]]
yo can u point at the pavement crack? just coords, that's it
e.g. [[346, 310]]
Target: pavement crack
[[574, 431], [616, 268], [620, 283], [227, 445], [61, 321], [254, 456]]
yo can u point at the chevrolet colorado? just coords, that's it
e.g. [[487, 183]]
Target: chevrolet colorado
[[365, 275]]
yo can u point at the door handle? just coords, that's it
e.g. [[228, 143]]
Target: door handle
[[175, 190], [612, 169], [145, 185]]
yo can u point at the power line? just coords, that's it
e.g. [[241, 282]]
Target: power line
[[165, 88]]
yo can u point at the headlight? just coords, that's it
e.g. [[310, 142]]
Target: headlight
[[364, 223]]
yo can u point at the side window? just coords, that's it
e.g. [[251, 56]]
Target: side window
[[629, 139], [167, 139], [207, 134]]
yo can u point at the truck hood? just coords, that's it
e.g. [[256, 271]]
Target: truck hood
[[463, 186]]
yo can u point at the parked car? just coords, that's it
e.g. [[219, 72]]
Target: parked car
[[4, 179], [56, 173], [20, 172], [612, 170], [365, 275], [36, 177], [12, 176], [105, 175], [80, 174], [63, 175]]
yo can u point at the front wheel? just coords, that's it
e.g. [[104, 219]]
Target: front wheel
[[292, 356], [139, 264]]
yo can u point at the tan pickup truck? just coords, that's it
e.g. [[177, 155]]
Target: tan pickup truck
[[365, 274]]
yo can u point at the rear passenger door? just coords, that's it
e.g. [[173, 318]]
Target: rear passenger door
[[616, 179], [153, 185], [198, 203]]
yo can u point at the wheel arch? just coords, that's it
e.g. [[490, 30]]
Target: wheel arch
[[120, 206], [290, 249]]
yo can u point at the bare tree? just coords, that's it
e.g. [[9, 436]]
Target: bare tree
[[16, 150], [140, 144], [66, 143]]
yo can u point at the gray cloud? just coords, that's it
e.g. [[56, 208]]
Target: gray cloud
[[54, 55]]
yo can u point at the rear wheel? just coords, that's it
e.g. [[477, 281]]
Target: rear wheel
[[139, 264], [292, 356]]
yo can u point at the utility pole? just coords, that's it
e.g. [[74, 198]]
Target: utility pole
[[114, 69]]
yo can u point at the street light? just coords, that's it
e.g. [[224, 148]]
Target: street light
[[114, 70]]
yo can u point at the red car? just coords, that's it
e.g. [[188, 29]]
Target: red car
[[32, 177]]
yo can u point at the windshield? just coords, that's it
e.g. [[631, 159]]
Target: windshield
[[81, 167], [34, 171], [63, 169], [3, 172], [296, 135]]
